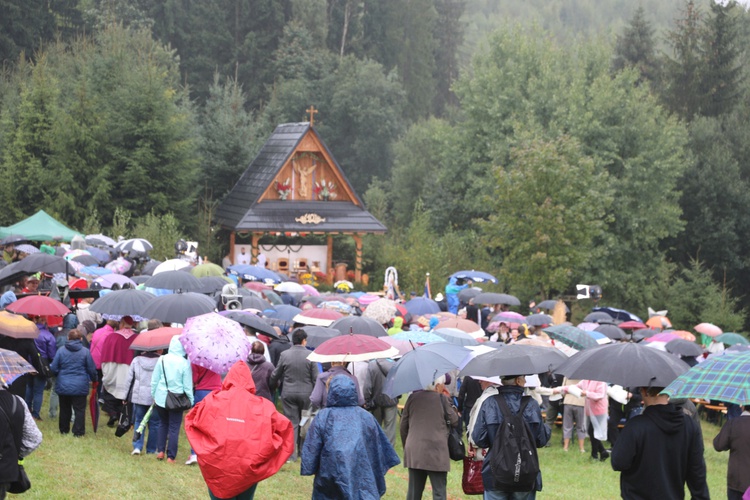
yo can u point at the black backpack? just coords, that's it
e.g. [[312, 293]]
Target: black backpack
[[513, 458]]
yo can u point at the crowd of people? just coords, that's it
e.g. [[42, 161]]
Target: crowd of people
[[337, 421]]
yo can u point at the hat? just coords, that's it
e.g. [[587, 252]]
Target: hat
[[33, 277], [439, 297], [89, 326]]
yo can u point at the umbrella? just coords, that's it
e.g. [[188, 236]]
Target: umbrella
[[17, 327], [418, 337], [336, 305], [724, 377], [419, 368], [149, 267], [250, 302], [170, 265], [537, 341], [550, 305], [211, 284], [611, 331], [626, 364], [618, 314], [311, 290], [178, 307], [27, 249], [352, 347], [732, 339], [109, 280], [102, 256], [316, 335], [539, 319], [175, 280], [382, 311], [360, 325], [510, 317], [100, 239], [254, 273], [38, 262], [256, 286], [571, 336], [588, 326], [632, 325], [252, 321], [403, 346], [468, 293], [600, 337], [317, 317], [38, 305], [283, 313], [455, 336], [134, 245], [94, 271], [514, 359], [683, 347], [464, 325], [596, 317], [214, 342], [153, 340], [12, 239], [708, 329], [662, 337], [420, 306], [86, 260], [94, 405], [128, 302], [477, 276], [683, 334], [13, 365], [290, 287], [658, 322], [641, 334], [207, 269], [492, 298]]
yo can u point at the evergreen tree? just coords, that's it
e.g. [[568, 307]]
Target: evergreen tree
[[449, 35], [721, 79], [636, 47]]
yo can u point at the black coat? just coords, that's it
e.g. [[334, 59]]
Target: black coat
[[11, 432]]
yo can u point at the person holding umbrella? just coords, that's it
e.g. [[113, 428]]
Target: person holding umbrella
[[734, 437], [140, 374], [47, 347]]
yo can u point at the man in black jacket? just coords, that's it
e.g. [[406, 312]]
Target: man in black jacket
[[659, 451]]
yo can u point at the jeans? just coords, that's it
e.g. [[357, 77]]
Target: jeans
[[199, 395], [508, 495], [248, 494], [77, 404], [54, 399], [35, 394], [169, 430], [139, 411]]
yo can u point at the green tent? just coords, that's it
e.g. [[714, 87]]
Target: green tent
[[40, 227]]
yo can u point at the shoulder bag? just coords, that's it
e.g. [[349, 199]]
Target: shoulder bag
[[23, 483], [456, 449], [175, 402]]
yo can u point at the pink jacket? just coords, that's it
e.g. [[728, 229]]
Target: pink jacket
[[97, 339], [597, 402]]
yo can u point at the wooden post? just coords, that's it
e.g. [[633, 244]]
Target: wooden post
[[254, 249], [231, 246], [329, 254], [358, 258]]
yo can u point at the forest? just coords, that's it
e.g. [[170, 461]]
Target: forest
[[549, 142]]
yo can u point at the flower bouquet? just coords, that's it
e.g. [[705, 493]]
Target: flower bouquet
[[284, 188]]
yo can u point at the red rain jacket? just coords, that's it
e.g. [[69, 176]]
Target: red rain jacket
[[240, 438]]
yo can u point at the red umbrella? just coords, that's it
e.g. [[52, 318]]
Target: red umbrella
[[38, 305], [317, 317], [352, 347], [153, 340], [94, 406], [256, 285], [632, 325]]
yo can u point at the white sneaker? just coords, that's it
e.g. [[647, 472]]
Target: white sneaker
[[192, 460], [136, 452]]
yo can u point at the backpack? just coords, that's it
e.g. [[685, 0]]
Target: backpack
[[513, 457]]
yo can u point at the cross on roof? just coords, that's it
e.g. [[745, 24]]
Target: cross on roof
[[312, 112]]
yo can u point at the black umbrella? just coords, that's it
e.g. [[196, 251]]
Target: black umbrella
[[140, 280], [550, 305], [211, 284], [316, 335], [468, 293], [514, 360], [175, 280], [626, 364], [683, 347], [12, 239], [312, 299], [255, 303], [611, 331], [643, 333], [492, 298], [539, 319], [150, 266], [128, 302], [252, 321], [359, 324], [597, 317], [35, 263], [86, 260], [178, 307]]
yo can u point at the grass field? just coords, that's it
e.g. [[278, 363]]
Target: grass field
[[99, 466]]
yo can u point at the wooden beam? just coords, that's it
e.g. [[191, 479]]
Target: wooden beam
[[358, 258], [329, 254], [231, 246], [254, 250]]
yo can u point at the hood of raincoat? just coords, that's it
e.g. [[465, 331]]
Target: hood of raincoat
[[341, 392], [240, 438], [398, 322], [7, 298], [434, 322], [70, 321], [175, 347]]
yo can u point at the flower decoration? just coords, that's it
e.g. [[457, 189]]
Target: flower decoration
[[325, 190], [284, 188]]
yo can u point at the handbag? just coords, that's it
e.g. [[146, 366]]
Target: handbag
[[304, 424], [456, 449], [22, 483], [45, 371], [471, 480], [125, 422], [175, 401]]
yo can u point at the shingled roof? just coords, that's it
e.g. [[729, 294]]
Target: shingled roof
[[242, 209]]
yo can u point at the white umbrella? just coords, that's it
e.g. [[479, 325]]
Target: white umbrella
[[170, 265], [290, 287]]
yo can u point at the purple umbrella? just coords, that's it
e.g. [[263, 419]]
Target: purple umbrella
[[108, 280], [510, 316], [214, 342]]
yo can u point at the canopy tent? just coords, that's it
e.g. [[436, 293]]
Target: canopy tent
[[40, 227]]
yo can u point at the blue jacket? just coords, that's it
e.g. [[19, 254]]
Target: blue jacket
[[346, 449], [179, 375], [490, 417], [46, 343], [74, 368], [451, 294]]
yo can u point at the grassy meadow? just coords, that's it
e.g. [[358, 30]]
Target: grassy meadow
[[99, 466]]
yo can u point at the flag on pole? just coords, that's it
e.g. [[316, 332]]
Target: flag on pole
[[427, 293]]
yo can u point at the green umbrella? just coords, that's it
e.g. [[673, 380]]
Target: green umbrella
[[722, 377], [208, 269], [732, 339], [571, 336]]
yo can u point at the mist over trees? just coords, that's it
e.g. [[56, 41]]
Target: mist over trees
[[549, 142]]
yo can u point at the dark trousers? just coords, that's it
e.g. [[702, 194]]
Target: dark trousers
[[734, 494], [169, 431], [293, 405], [418, 479], [597, 448], [68, 405], [616, 413]]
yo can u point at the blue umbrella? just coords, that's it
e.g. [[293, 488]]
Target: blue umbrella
[[619, 314], [254, 273], [420, 306], [419, 337], [95, 271], [455, 336], [477, 276], [102, 256], [281, 315], [420, 367]]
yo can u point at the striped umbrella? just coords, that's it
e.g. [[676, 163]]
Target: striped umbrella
[[12, 366], [724, 377]]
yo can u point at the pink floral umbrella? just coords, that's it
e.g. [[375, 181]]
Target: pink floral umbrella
[[214, 342]]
